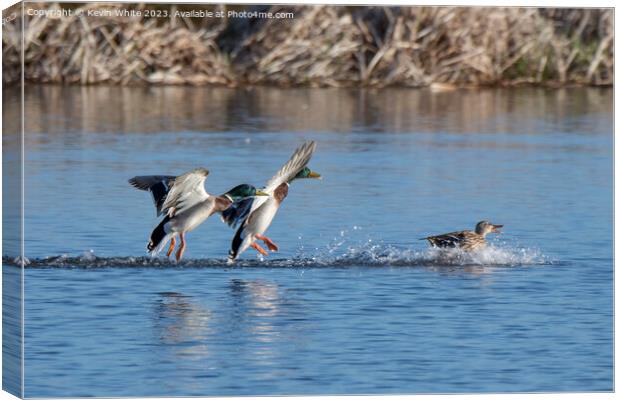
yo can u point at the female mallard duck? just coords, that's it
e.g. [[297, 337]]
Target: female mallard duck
[[186, 204], [254, 215], [465, 240]]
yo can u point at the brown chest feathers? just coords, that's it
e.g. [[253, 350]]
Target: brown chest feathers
[[221, 203], [281, 192]]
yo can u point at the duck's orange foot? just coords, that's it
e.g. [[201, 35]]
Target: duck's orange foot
[[173, 242], [270, 244], [180, 253], [181, 249], [259, 249]]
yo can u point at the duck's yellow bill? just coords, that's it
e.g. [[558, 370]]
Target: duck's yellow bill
[[313, 174], [261, 193]]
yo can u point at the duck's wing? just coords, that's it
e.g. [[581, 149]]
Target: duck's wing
[[300, 158], [187, 190], [241, 212], [238, 212], [146, 182], [452, 239], [158, 185]]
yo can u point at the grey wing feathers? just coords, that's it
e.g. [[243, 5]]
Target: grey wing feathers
[[147, 181], [237, 212], [187, 190], [300, 158], [158, 185]]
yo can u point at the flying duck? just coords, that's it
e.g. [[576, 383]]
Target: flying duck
[[254, 215], [185, 204]]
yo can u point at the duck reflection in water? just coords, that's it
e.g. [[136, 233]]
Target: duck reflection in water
[[260, 297], [257, 318], [256, 306], [182, 322]]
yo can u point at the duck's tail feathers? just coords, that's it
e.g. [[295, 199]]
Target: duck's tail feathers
[[433, 241], [159, 237], [235, 245], [240, 243]]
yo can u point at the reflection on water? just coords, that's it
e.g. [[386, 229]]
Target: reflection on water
[[254, 312], [260, 296], [53, 109], [182, 324], [188, 328]]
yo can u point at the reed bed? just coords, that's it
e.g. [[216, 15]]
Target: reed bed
[[441, 47], [119, 50]]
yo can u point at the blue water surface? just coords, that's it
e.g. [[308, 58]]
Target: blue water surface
[[353, 302]]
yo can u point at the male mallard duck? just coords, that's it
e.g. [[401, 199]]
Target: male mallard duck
[[186, 204], [466, 240], [254, 215]]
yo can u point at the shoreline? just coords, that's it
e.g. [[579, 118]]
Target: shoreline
[[250, 86]]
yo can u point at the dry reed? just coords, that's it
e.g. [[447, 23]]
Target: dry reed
[[323, 46], [120, 50]]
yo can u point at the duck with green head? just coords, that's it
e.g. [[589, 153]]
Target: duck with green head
[[185, 204], [254, 215]]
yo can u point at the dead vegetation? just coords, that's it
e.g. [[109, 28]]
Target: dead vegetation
[[323, 46], [119, 50]]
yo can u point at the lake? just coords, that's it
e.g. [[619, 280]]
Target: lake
[[354, 302]]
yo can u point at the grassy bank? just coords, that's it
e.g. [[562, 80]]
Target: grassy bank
[[316, 46]]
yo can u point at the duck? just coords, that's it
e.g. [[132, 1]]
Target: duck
[[185, 204], [253, 216], [465, 240]]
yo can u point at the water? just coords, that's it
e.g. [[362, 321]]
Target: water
[[353, 302]]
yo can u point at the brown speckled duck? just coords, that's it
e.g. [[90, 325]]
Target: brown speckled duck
[[465, 240]]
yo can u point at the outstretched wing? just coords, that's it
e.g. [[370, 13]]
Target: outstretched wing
[[187, 190], [300, 158], [158, 185], [238, 212]]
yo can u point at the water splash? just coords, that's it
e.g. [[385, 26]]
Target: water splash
[[355, 247], [348, 248], [371, 253], [337, 254]]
